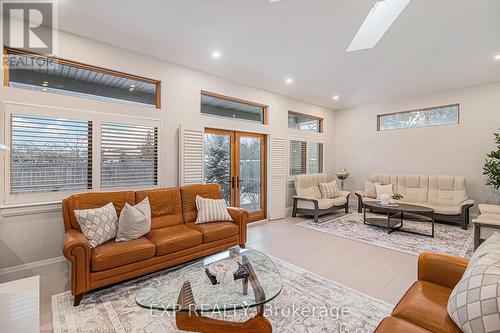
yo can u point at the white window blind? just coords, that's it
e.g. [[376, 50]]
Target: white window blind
[[298, 155], [129, 155], [315, 157], [50, 154], [278, 176]]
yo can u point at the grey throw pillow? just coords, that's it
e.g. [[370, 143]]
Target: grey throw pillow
[[98, 224], [134, 222], [474, 303]]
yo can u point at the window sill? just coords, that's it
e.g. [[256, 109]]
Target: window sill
[[30, 208]]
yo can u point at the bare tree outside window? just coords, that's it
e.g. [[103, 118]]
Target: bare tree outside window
[[443, 115]]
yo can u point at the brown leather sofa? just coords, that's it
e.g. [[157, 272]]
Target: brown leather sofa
[[174, 237], [423, 308]]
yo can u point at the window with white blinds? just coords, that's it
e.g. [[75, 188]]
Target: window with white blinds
[[129, 155], [50, 154], [298, 155], [305, 157], [315, 157]]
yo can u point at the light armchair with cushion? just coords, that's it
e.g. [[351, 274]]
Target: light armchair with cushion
[[310, 201], [486, 223], [445, 194]]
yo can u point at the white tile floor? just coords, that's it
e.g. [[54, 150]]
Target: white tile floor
[[378, 272]]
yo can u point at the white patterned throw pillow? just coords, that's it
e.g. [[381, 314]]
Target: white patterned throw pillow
[[211, 210], [329, 190], [474, 303], [98, 224]]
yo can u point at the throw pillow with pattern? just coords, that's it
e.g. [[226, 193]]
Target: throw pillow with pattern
[[211, 210], [98, 224], [474, 303], [329, 190]]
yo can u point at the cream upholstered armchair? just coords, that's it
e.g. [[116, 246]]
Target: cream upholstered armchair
[[309, 200], [486, 223]]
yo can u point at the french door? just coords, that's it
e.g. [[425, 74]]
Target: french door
[[237, 161]]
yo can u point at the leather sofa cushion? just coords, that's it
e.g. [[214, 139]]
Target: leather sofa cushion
[[445, 210], [214, 231], [113, 254], [425, 305], [166, 207], [323, 203], [393, 325], [175, 238], [94, 200], [188, 195]]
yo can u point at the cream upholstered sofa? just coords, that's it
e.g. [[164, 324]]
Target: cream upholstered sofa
[[444, 193], [486, 223], [309, 200]]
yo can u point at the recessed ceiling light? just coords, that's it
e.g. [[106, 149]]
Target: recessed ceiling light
[[216, 54], [289, 80], [497, 57], [336, 98]]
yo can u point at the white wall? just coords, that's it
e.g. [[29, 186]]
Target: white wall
[[453, 149], [33, 237]]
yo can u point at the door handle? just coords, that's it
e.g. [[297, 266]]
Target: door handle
[[237, 182], [232, 182]]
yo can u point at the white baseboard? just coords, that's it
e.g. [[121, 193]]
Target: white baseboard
[[42, 268]]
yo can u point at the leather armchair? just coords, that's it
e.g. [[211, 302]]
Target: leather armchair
[[424, 306]]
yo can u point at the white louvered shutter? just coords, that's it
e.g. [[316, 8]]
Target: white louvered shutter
[[278, 177], [190, 156]]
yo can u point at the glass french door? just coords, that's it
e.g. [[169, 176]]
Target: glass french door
[[237, 161]]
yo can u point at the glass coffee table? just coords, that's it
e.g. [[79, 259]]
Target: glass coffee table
[[394, 219], [189, 293]]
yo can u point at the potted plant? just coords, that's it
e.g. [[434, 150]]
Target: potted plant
[[491, 168]]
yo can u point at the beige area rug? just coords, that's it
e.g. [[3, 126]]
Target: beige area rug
[[114, 309], [449, 239]]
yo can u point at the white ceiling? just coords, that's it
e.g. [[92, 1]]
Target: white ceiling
[[433, 46]]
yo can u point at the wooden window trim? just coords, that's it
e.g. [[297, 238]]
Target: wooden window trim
[[265, 118], [321, 120], [8, 51], [418, 110]]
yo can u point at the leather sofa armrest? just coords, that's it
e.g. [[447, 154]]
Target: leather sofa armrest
[[76, 249], [489, 209], [469, 203], [296, 197], [240, 217], [442, 269]]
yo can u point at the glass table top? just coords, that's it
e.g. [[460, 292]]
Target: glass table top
[[188, 287]]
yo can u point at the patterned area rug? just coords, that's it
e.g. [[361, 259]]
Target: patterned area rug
[[449, 239], [308, 303]]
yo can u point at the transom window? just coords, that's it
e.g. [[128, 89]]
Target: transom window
[[305, 122], [228, 107], [47, 74], [440, 115]]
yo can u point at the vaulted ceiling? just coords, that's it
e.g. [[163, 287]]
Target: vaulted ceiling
[[433, 45]]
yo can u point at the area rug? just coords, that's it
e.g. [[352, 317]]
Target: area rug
[[449, 239], [308, 303]]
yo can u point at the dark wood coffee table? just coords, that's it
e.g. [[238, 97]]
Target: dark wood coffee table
[[394, 220]]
